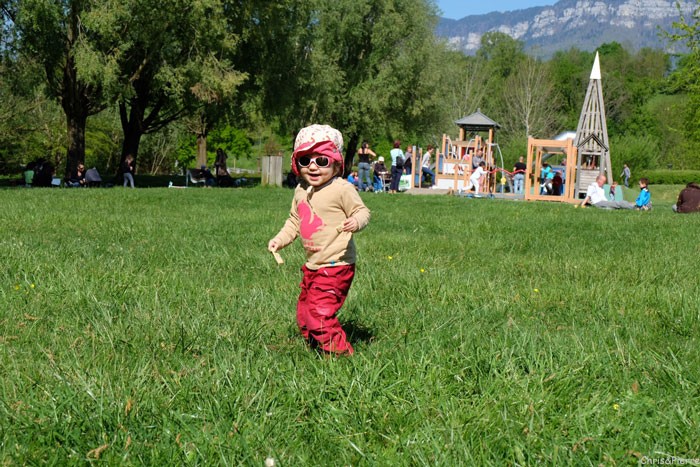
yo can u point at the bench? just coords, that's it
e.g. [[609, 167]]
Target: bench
[[195, 177]]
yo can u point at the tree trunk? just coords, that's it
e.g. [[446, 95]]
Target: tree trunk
[[132, 126], [76, 142], [201, 149], [350, 151], [75, 106]]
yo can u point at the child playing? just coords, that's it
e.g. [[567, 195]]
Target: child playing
[[475, 178], [325, 212], [643, 201], [613, 187]]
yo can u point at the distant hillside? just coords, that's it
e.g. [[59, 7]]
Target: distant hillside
[[585, 24]]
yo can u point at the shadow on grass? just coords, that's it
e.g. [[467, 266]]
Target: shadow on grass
[[358, 333]]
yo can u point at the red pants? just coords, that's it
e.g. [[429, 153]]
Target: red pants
[[323, 292]]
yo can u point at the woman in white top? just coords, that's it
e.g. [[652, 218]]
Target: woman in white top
[[425, 165], [396, 166]]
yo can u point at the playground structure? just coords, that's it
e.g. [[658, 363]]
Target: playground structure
[[592, 135], [537, 149], [453, 160], [584, 156]]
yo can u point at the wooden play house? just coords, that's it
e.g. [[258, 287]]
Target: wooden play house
[[453, 168], [537, 151], [592, 136]]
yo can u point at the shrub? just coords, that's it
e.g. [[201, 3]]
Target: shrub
[[669, 177]]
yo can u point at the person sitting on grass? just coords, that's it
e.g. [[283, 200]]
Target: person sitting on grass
[[643, 202], [326, 211], [595, 195], [77, 180], [688, 199], [208, 177], [354, 180]]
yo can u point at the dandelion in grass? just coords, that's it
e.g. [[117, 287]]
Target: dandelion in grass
[[537, 290], [389, 258], [422, 270], [17, 287], [616, 407], [31, 286]]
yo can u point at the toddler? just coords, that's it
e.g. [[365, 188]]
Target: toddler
[[326, 211], [643, 201]]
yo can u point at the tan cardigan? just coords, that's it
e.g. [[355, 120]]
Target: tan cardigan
[[317, 216]]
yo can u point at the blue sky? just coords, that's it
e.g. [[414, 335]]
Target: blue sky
[[457, 9]]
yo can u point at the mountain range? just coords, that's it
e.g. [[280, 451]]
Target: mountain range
[[584, 24]]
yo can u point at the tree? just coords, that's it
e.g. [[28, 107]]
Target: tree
[[158, 60], [470, 84], [50, 31], [502, 52], [371, 67], [570, 71], [686, 32], [529, 95]]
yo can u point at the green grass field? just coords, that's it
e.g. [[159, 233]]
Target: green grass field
[[152, 327]]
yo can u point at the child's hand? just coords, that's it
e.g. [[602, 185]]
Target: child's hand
[[350, 225], [273, 246]]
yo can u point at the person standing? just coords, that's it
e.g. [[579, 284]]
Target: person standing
[[397, 162], [626, 174], [425, 165], [477, 158], [128, 170], [519, 176], [326, 211], [364, 155], [408, 160]]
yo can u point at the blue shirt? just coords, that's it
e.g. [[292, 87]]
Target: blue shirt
[[644, 198]]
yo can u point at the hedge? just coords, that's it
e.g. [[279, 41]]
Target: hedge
[[669, 177]]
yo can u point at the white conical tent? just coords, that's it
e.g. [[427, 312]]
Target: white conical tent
[[592, 132]]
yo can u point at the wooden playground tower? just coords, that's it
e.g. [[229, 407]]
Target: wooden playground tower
[[454, 166], [592, 135], [586, 156]]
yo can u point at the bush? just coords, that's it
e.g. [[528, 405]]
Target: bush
[[669, 177], [638, 152]]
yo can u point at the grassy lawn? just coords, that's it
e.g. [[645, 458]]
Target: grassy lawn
[[152, 327]]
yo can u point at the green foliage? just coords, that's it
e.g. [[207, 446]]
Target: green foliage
[[150, 343], [31, 125], [155, 72], [372, 69], [629, 81], [570, 71], [669, 177], [233, 141], [103, 142], [638, 152], [686, 78], [502, 53]]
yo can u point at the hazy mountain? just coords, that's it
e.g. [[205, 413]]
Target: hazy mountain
[[584, 24]]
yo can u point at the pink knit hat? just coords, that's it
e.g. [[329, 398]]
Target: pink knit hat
[[318, 139]]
